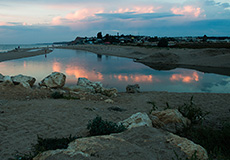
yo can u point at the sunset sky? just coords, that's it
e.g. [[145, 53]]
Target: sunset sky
[[27, 21]]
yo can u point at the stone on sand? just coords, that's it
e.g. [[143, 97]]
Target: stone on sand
[[137, 120], [25, 81], [170, 119], [54, 80]]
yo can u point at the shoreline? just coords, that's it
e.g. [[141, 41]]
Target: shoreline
[[210, 60], [23, 53]]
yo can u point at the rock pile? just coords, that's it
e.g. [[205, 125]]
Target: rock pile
[[85, 85], [140, 141], [25, 81], [56, 82]]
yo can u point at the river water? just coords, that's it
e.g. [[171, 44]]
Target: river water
[[115, 72]]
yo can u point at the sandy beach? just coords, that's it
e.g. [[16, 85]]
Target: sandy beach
[[22, 53], [26, 113]]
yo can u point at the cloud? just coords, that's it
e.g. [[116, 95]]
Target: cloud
[[213, 3], [187, 10], [134, 15]]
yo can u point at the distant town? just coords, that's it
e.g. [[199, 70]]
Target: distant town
[[149, 41]]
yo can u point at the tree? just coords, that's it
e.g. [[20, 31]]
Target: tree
[[205, 38], [163, 42], [99, 35]]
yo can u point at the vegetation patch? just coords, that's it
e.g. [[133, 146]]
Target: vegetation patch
[[98, 126], [45, 144], [58, 95], [192, 112]]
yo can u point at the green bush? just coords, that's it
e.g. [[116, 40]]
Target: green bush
[[215, 141], [154, 107], [97, 126], [57, 95], [192, 112], [45, 145]]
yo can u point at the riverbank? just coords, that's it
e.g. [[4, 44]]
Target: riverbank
[[210, 60], [23, 53]]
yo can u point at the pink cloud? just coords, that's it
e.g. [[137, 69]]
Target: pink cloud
[[188, 11], [80, 15], [136, 9], [6, 24], [186, 78]]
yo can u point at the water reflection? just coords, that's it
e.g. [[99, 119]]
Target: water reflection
[[185, 77], [114, 72]]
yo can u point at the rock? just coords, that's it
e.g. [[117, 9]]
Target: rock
[[25, 81], [187, 146], [137, 120], [170, 119], [54, 80], [110, 92], [84, 82], [7, 81], [109, 101], [137, 143], [133, 88]]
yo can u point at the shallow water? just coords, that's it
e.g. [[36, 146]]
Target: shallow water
[[115, 72]]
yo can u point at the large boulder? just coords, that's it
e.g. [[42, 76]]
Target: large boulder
[[187, 146], [54, 80], [25, 81], [170, 119], [137, 120], [137, 143], [84, 82]]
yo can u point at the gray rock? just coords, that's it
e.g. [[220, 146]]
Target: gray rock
[[84, 82], [54, 80], [137, 120], [137, 143], [133, 88], [25, 81]]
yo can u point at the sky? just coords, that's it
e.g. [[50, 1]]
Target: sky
[[44, 21]]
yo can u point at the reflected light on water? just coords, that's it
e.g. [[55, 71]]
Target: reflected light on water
[[114, 72], [185, 77], [56, 67], [78, 72]]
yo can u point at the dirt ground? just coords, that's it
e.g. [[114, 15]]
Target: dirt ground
[[26, 113]]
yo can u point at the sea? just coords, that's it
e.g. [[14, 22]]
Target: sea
[[9, 47]]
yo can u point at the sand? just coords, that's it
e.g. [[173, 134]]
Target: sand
[[26, 113], [22, 53]]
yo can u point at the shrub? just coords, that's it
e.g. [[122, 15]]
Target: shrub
[[154, 107], [215, 141], [45, 145], [57, 95], [163, 42], [103, 127], [192, 112]]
